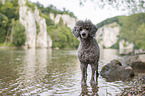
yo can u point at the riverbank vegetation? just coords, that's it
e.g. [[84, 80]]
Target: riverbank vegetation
[[60, 34], [12, 32], [132, 27], [9, 13]]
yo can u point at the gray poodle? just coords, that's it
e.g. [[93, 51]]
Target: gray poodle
[[88, 51]]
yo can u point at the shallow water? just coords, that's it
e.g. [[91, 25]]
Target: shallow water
[[47, 72]]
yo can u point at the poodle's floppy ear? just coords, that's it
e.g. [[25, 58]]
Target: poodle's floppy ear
[[75, 31], [93, 30]]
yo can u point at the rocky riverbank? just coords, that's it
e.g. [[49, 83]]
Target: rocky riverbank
[[128, 68]]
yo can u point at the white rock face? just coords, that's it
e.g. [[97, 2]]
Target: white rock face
[[35, 37], [42, 35], [3, 1], [28, 20], [107, 35], [52, 16], [49, 41], [70, 21], [57, 18], [125, 47]]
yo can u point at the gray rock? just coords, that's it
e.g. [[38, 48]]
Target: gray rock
[[138, 64], [114, 71], [138, 67], [128, 60]]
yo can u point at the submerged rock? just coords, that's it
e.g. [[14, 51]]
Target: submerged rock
[[114, 71]]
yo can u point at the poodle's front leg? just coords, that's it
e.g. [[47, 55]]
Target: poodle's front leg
[[94, 74], [84, 73]]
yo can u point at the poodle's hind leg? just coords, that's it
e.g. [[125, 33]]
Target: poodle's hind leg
[[84, 73]]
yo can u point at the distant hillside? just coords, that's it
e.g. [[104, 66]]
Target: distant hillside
[[132, 28], [53, 9], [108, 21]]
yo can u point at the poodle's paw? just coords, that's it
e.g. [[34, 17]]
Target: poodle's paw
[[92, 82], [83, 83]]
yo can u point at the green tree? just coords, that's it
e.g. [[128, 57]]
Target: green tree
[[62, 37], [140, 36], [19, 36], [131, 27], [30, 4], [10, 9], [3, 26], [60, 23]]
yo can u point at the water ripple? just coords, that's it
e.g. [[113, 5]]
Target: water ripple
[[49, 72]]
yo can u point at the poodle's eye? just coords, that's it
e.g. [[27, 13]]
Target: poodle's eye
[[81, 29], [87, 29]]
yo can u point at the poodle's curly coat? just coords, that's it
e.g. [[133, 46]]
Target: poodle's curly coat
[[88, 51]]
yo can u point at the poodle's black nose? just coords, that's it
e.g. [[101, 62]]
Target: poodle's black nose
[[83, 34]]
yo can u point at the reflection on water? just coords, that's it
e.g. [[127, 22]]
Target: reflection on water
[[86, 92], [48, 72]]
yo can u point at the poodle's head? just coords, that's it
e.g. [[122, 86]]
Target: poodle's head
[[84, 29]]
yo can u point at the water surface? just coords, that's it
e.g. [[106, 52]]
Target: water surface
[[47, 72]]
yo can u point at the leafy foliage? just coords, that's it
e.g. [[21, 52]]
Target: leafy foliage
[[132, 29], [108, 21], [9, 11], [140, 41], [31, 5], [48, 20], [9, 24], [3, 25], [60, 34], [115, 46], [19, 34], [53, 9], [62, 37], [3, 20]]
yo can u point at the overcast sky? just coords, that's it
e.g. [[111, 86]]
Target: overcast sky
[[88, 11]]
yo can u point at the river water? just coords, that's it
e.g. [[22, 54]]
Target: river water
[[48, 72]]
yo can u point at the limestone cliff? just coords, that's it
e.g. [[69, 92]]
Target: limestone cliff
[[107, 35], [28, 20], [35, 26], [42, 34], [3, 1], [125, 47], [67, 20]]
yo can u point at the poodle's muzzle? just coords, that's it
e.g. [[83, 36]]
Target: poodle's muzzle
[[84, 33]]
